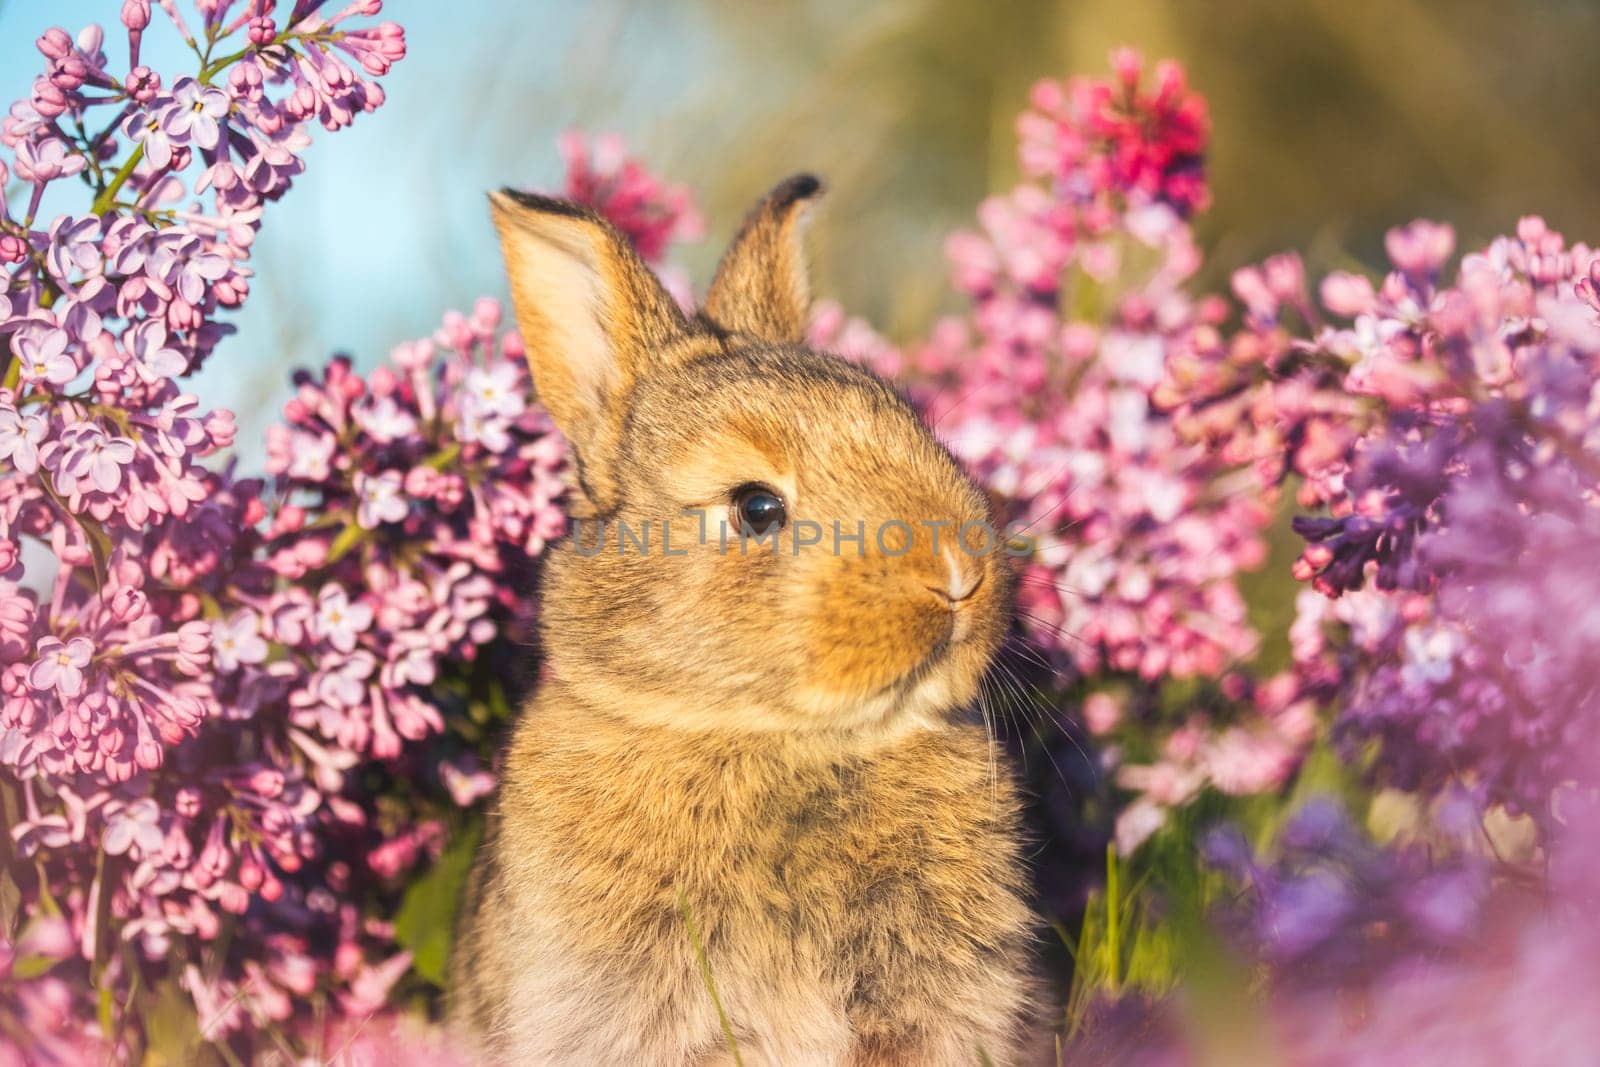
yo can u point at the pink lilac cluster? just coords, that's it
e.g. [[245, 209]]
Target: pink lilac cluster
[[652, 214], [408, 494], [101, 313], [234, 726], [320, 615], [1244, 737], [200, 672], [42, 1028], [1104, 139], [1079, 287], [1056, 391]]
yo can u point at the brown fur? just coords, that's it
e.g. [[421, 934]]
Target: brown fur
[[775, 740]]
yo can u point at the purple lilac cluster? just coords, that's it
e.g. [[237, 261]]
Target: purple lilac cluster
[[1331, 905], [1450, 430], [1447, 429]]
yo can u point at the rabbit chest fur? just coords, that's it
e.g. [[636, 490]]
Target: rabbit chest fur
[[865, 910]]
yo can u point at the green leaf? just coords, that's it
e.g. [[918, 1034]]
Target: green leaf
[[172, 1029], [426, 921], [32, 966], [348, 538]]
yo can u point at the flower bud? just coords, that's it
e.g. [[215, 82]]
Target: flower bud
[[55, 44], [128, 603], [143, 84], [136, 14], [69, 73], [48, 100]]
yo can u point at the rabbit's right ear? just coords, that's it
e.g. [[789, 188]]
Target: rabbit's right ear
[[591, 313]]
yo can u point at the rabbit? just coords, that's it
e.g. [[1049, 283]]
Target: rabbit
[[765, 756]]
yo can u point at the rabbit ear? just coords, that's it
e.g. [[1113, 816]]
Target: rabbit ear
[[763, 284], [590, 311]]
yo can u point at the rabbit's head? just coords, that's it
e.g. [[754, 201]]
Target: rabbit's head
[[769, 538]]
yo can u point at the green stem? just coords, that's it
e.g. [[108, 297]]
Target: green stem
[[222, 64], [705, 975], [1113, 917], [211, 70], [10, 895], [103, 202]]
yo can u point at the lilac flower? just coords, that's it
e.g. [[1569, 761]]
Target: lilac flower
[[146, 129], [60, 665], [134, 828], [89, 457], [382, 499], [237, 641], [385, 420], [194, 113], [74, 247], [43, 352], [495, 390], [147, 343], [338, 621], [467, 782], [341, 684], [182, 263], [20, 435], [46, 160]]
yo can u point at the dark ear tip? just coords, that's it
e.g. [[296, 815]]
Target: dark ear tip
[[548, 205], [795, 189]]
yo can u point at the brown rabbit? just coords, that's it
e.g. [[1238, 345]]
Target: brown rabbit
[[761, 737]]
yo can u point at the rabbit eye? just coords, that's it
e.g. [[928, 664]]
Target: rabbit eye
[[758, 509]]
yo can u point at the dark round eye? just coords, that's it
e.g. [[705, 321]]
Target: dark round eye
[[758, 509]]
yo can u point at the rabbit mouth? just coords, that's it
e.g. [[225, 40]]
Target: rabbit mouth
[[927, 669]]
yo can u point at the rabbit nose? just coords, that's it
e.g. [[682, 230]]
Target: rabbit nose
[[961, 585]]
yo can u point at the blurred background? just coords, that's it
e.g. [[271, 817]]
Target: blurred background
[[1332, 122]]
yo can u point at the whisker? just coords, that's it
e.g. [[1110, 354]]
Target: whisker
[[1052, 628], [1044, 583], [1032, 725], [934, 422], [1063, 502], [989, 733]]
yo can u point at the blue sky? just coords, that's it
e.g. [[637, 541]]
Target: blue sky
[[387, 227]]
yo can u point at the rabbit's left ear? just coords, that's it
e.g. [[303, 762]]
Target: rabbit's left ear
[[763, 284]]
